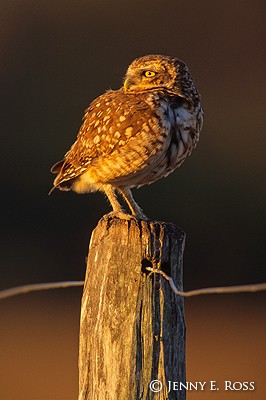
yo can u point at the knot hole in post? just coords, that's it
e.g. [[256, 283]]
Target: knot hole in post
[[145, 263]]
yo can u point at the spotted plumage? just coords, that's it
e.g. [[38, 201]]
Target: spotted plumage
[[135, 135]]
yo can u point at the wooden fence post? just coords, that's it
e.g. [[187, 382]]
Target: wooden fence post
[[132, 328]]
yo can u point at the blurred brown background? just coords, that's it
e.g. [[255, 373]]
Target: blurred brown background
[[56, 57]]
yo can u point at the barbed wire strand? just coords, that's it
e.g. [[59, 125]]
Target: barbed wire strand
[[251, 288]]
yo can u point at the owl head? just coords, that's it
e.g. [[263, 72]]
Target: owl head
[[156, 72]]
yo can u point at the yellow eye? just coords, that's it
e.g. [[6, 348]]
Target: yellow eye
[[149, 74]]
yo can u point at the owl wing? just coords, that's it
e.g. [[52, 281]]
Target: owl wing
[[112, 121]]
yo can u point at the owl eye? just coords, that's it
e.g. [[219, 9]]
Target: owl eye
[[149, 74]]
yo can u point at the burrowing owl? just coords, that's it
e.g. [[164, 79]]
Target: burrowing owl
[[136, 134]]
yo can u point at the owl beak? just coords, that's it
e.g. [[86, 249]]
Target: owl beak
[[127, 84]]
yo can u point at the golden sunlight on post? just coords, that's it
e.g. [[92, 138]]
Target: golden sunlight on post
[[132, 329]]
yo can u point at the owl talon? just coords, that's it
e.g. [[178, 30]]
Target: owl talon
[[124, 216], [120, 215]]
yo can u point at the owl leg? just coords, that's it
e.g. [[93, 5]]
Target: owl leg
[[110, 193], [117, 209], [134, 207]]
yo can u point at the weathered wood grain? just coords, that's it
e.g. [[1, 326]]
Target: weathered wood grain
[[132, 327]]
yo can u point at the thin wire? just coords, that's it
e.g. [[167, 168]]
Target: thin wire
[[4, 294], [257, 287]]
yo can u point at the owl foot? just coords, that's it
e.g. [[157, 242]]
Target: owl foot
[[124, 216]]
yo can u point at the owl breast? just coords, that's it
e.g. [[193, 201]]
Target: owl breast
[[173, 135]]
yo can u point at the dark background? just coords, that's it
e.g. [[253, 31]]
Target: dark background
[[56, 57]]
